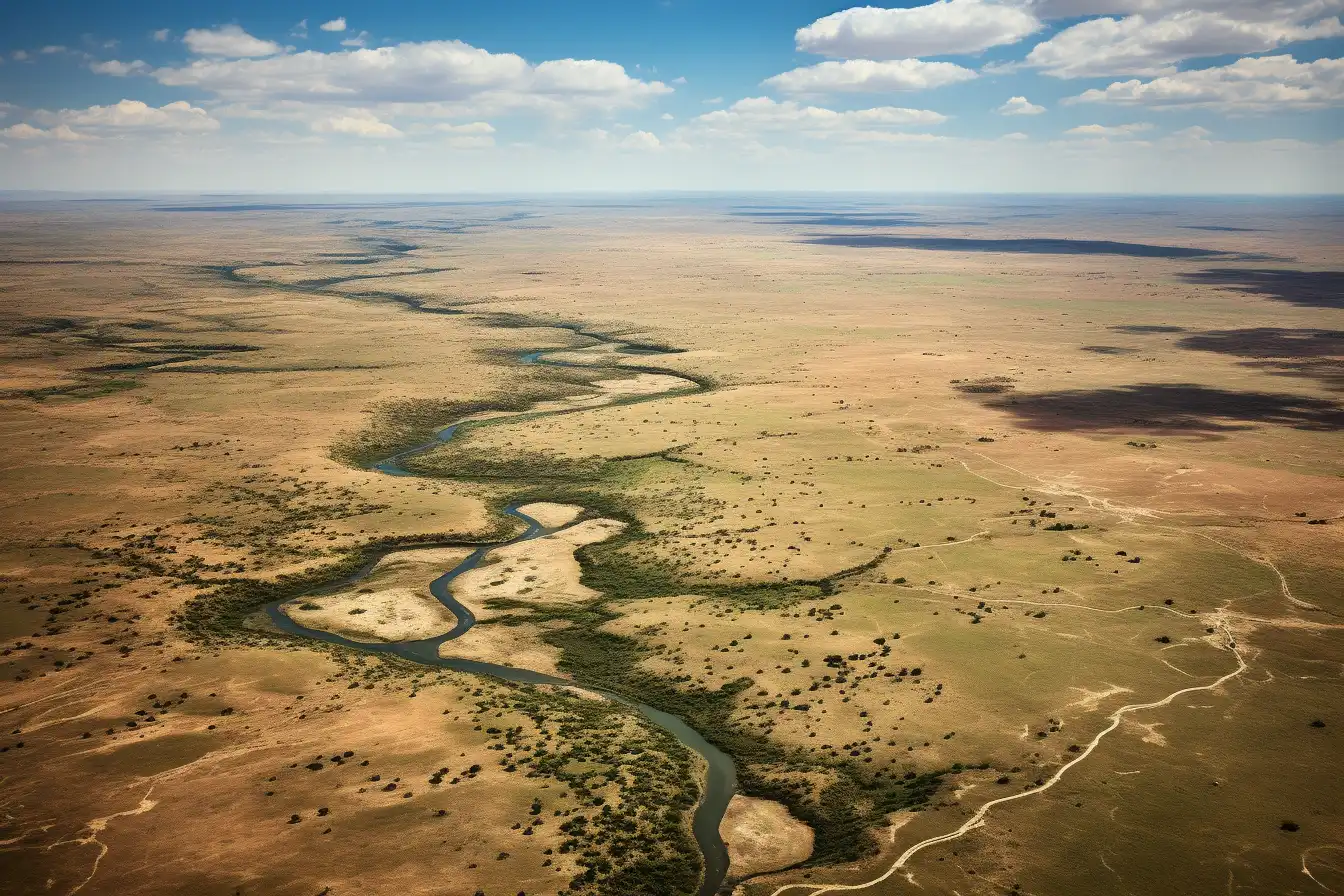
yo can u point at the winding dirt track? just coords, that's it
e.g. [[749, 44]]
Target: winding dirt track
[[978, 819]]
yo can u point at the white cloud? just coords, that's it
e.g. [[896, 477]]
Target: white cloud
[[1140, 45], [1015, 135], [712, 101], [60, 132], [1020, 105], [666, 116], [19, 55], [1247, 85], [442, 78], [119, 69], [357, 123], [52, 49], [475, 127], [867, 76], [473, 135], [333, 25], [947, 26], [161, 35], [358, 40], [300, 30], [1101, 130], [751, 119], [229, 41], [1244, 9], [642, 141], [1194, 132], [128, 117]]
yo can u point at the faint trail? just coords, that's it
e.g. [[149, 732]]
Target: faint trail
[[95, 827], [944, 544], [1126, 512], [1265, 561], [1307, 871], [978, 819]]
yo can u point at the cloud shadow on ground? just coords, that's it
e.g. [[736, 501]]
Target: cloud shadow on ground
[[1028, 245], [1168, 407], [1309, 289], [1317, 354]]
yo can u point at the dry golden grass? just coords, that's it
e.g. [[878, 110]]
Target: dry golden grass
[[947, 406]]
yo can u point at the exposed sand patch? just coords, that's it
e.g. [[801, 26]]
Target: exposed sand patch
[[643, 384], [542, 570], [398, 608], [518, 646], [550, 514], [762, 836]]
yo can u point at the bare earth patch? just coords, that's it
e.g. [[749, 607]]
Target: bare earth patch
[[550, 514], [762, 836], [399, 608], [542, 570], [517, 646]]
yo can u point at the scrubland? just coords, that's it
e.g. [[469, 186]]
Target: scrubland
[[901, 529]]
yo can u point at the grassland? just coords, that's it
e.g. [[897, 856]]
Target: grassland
[[924, 522]]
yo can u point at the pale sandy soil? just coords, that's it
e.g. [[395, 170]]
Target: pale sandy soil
[[842, 426], [518, 646], [762, 836], [551, 515], [400, 608], [549, 564], [542, 570], [639, 384]]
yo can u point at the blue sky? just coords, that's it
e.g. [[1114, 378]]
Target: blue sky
[[975, 95]]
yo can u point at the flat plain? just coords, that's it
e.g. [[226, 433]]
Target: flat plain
[[906, 506]]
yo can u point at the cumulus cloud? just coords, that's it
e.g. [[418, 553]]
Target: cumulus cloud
[[1144, 45], [358, 40], [449, 76], [1020, 105], [473, 128], [472, 135], [867, 76], [334, 25], [1101, 130], [1193, 137], [1245, 9], [229, 41], [756, 117], [947, 26], [356, 123], [119, 69], [1247, 85], [61, 132], [128, 117], [161, 35], [641, 141]]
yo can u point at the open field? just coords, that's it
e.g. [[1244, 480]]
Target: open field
[[901, 521]]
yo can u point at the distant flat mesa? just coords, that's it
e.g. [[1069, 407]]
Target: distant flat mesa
[[1033, 245]]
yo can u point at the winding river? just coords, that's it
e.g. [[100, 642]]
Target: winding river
[[721, 781]]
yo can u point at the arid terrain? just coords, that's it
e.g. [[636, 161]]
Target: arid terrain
[[970, 546]]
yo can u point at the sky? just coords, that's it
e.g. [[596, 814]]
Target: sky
[[444, 96]]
